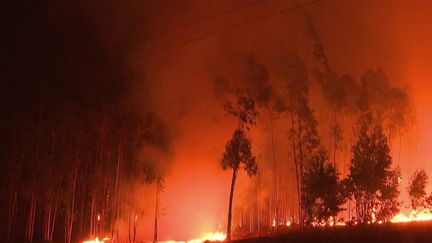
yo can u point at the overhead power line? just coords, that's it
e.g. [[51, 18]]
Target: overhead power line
[[196, 21], [282, 11], [156, 34]]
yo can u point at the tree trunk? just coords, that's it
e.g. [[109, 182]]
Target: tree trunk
[[155, 232], [296, 168], [335, 138], [46, 223], [11, 215], [258, 202], [71, 208], [53, 219], [30, 218], [300, 144], [275, 174], [135, 227], [114, 221], [129, 225], [400, 146], [15, 178], [92, 228], [233, 180]]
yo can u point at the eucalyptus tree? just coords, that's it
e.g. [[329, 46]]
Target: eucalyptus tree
[[238, 150], [303, 133], [372, 181]]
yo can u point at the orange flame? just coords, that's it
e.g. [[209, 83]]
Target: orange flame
[[212, 236], [96, 240], [423, 215]]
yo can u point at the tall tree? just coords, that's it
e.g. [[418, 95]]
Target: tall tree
[[371, 179], [339, 91], [238, 150], [303, 132], [259, 88]]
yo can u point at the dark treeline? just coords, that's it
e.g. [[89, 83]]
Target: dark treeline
[[71, 140]]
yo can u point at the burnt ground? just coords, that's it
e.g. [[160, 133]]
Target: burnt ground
[[419, 232]]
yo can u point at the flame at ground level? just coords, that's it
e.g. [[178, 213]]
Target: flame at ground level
[[414, 216], [423, 215], [212, 236], [96, 240]]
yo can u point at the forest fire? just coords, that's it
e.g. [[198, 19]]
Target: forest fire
[[154, 121]]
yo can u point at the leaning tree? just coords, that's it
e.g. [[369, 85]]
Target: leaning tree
[[238, 150]]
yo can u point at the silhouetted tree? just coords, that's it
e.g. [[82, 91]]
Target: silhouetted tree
[[238, 150], [417, 189], [388, 204], [322, 195], [373, 183]]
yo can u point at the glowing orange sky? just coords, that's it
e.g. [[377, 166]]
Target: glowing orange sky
[[357, 35]]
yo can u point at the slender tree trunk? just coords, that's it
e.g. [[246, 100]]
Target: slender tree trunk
[[15, 177], [335, 138], [275, 173], [400, 146], [296, 164], [33, 217], [46, 223], [258, 202], [11, 214], [135, 227], [129, 225], [71, 208], [300, 144], [92, 228], [30, 218], [53, 221], [114, 223], [233, 180], [155, 232], [81, 219]]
